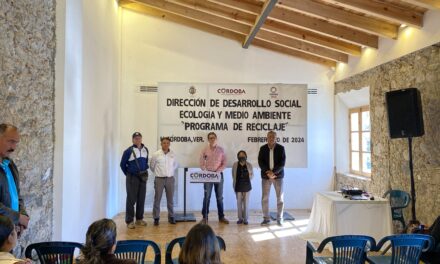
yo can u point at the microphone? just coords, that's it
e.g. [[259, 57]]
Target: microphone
[[205, 157]]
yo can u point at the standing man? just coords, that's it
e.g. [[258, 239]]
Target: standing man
[[134, 164], [271, 160], [11, 203], [213, 159], [163, 164]]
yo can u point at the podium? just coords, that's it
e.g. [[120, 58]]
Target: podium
[[196, 177]]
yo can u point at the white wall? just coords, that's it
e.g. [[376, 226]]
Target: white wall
[[409, 40], [155, 51], [59, 119], [89, 67]]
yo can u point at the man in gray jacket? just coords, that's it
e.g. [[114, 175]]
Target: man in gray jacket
[[11, 203]]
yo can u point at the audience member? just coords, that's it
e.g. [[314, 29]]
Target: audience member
[[101, 244], [433, 256], [200, 247], [8, 240]]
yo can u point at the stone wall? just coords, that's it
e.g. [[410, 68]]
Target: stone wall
[[27, 51], [390, 168]]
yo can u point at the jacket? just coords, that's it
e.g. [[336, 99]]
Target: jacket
[[279, 160], [234, 172], [5, 198], [128, 163]]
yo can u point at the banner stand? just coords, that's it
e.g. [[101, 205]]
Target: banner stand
[[185, 217]]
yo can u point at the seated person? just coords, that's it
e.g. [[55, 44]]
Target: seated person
[[433, 256], [8, 240], [200, 247], [101, 244]]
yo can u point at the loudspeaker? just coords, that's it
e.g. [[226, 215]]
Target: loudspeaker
[[405, 116]]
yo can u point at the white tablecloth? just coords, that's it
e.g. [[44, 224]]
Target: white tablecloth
[[332, 215]]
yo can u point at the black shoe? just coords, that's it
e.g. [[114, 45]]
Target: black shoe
[[224, 220], [156, 222], [172, 221], [265, 222], [245, 222], [239, 222]]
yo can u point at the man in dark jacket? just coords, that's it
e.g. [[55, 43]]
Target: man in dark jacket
[[11, 204], [433, 256], [271, 160], [134, 164]]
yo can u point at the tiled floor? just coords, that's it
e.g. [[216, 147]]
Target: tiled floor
[[244, 244]]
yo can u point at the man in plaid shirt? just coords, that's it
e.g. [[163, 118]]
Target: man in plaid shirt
[[213, 159]]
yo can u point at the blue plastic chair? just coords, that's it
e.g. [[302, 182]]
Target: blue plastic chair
[[137, 250], [398, 201], [405, 248], [180, 240], [53, 252], [350, 249]]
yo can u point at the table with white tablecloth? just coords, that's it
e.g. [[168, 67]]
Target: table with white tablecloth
[[332, 215]]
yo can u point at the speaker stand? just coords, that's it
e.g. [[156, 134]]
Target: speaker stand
[[413, 189]]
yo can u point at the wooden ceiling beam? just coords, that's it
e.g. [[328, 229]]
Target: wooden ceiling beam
[[284, 50], [384, 10], [323, 27], [168, 16], [267, 8], [311, 37], [219, 10], [268, 35], [273, 26], [316, 25], [428, 4], [302, 46], [240, 5], [163, 14], [196, 15], [342, 17]]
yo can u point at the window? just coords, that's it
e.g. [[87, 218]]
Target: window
[[360, 141]]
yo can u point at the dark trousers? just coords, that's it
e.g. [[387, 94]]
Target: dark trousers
[[136, 190], [218, 187]]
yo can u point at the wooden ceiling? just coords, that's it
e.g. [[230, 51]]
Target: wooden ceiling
[[321, 31]]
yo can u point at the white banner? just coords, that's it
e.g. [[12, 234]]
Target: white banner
[[204, 176], [240, 115]]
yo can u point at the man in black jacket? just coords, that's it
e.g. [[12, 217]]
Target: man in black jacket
[[271, 160], [11, 204]]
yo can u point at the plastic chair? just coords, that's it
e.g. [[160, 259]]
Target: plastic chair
[[398, 200], [180, 241], [137, 250], [350, 249], [406, 248], [53, 252]]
